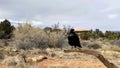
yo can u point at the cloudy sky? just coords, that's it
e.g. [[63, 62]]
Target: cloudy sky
[[88, 14]]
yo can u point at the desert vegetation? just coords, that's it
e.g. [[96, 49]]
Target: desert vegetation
[[18, 45], [6, 29], [109, 35]]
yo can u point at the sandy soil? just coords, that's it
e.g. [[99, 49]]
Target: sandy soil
[[60, 63]]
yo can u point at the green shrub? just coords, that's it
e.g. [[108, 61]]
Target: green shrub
[[6, 29]]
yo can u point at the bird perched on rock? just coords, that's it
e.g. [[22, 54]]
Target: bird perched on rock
[[73, 39]]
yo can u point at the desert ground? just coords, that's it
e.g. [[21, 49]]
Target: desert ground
[[11, 57]]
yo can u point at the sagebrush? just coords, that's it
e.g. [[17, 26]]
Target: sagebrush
[[28, 37]]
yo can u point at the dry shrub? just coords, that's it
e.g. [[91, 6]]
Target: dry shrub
[[94, 46], [91, 45], [4, 42], [111, 48], [28, 37], [56, 39], [17, 62], [1, 57], [14, 60], [116, 42]]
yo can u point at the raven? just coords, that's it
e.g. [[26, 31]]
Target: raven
[[73, 39]]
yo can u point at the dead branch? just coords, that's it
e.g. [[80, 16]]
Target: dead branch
[[96, 54]]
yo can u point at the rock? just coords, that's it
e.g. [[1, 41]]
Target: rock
[[36, 58]]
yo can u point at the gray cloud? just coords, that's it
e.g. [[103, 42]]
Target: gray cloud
[[90, 14]]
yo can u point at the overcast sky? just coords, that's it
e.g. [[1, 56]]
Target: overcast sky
[[88, 14]]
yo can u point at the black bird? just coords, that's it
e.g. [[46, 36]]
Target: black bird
[[73, 39]]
